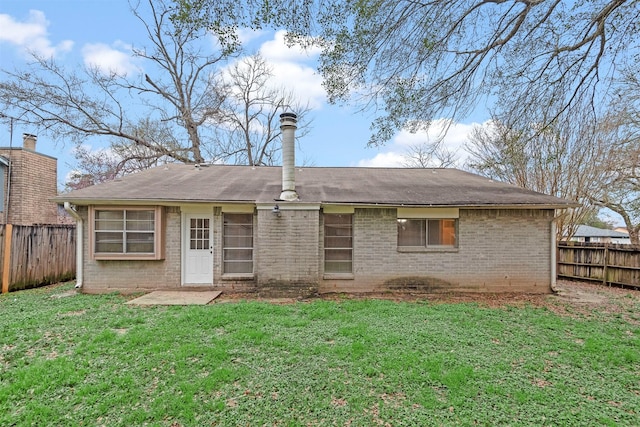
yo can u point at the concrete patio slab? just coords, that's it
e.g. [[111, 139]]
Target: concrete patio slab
[[176, 298]]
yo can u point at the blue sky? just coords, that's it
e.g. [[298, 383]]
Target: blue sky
[[101, 32]]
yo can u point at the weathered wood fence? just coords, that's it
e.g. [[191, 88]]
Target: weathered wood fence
[[36, 255], [608, 263]]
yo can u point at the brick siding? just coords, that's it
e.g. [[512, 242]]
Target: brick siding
[[499, 250], [136, 276], [287, 252], [34, 178]]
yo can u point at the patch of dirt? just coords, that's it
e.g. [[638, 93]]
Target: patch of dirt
[[570, 299], [585, 299]]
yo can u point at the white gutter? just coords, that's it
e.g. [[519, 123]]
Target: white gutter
[[79, 239]]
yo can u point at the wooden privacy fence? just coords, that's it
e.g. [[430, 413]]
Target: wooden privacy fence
[[608, 263], [36, 255]]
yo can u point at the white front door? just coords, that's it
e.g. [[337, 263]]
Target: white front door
[[198, 249]]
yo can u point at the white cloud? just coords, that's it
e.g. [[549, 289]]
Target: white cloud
[[389, 159], [292, 68], [247, 35], [109, 59], [291, 71], [31, 35], [278, 50], [453, 135]]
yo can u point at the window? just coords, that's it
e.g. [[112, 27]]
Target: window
[[126, 233], [436, 233], [338, 243], [237, 251], [199, 233]]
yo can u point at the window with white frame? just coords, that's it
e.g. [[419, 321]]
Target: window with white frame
[[429, 233], [338, 243], [237, 251], [126, 233]]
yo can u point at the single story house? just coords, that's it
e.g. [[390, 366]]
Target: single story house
[[301, 231], [586, 233]]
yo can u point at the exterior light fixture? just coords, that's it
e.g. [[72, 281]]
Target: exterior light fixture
[[276, 210]]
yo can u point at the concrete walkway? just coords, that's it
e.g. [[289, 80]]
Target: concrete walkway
[[176, 298]]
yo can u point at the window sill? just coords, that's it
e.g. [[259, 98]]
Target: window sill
[[338, 276], [126, 257], [237, 276], [421, 249]]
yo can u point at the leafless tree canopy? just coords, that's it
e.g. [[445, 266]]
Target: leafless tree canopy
[[622, 189], [568, 158], [181, 108], [179, 95], [249, 118], [429, 155]]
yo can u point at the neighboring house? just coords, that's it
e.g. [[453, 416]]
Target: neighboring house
[[27, 185], [301, 231], [588, 234]]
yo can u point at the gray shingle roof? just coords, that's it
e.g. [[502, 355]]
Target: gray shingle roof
[[365, 186], [588, 231]]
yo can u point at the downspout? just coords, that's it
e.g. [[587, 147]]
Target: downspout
[[79, 240]]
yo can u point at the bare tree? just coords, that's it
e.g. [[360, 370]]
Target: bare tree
[[621, 192], [429, 59], [566, 159], [122, 157], [429, 155], [180, 93], [249, 118]]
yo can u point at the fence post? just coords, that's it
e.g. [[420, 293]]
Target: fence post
[[6, 262], [605, 263]]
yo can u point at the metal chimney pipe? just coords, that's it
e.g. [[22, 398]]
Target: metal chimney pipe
[[29, 141], [288, 127]]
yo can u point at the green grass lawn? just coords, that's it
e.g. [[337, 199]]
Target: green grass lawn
[[92, 360]]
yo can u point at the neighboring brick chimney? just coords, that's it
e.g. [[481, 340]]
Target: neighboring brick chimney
[[29, 141], [288, 127]]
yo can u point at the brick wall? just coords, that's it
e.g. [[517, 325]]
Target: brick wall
[[498, 251], [34, 178], [135, 276], [287, 252]]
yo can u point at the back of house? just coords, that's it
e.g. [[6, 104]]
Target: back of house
[[287, 231]]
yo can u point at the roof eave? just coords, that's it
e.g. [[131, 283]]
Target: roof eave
[[460, 205], [144, 202], [178, 202]]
